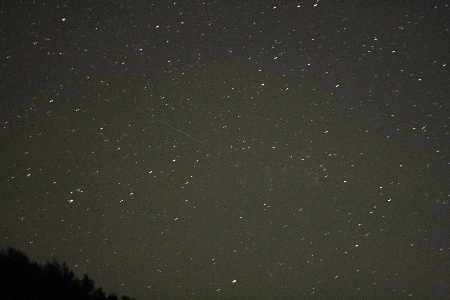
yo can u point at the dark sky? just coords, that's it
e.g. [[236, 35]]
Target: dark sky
[[213, 150]]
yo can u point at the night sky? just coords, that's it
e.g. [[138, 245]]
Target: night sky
[[267, 150]]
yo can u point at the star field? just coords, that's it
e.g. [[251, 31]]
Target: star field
[[208, 150]]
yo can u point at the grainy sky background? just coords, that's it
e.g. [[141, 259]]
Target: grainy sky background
[[267, 150]]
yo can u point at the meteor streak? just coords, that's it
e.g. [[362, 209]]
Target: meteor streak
[[170, 126]]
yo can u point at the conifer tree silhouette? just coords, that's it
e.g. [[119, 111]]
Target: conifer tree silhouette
[[22, 279]]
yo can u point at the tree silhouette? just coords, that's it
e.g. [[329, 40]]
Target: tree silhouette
[[23, 279]]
